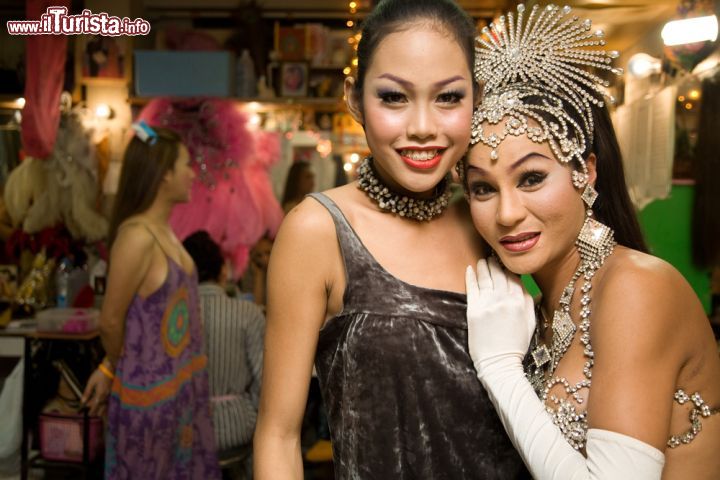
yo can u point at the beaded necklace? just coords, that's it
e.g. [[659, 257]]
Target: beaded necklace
[[543, 361], [408, 207]]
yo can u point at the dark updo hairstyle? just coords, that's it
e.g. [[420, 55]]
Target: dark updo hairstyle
[[143, 169], [206, 254], [391, 16]]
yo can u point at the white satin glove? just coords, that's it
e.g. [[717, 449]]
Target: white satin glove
[[501, 322], [500, 316]]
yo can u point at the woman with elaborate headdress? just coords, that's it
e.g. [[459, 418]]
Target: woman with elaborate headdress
[[622, 375]]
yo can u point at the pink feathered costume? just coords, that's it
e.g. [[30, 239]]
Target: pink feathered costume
[[232, 197]]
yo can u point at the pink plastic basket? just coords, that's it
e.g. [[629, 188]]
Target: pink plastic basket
[[61, 437]]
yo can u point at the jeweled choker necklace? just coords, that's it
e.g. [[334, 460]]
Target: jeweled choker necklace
[[408, 207]]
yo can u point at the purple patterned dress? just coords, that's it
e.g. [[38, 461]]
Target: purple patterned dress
[[159, 421]]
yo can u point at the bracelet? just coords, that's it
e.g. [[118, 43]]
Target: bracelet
[[106, 371]]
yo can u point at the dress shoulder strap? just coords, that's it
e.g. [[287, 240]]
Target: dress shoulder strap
[[356, 258], [152, 234]]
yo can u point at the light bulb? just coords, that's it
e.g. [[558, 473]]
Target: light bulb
[[642, 65], [690, 30]]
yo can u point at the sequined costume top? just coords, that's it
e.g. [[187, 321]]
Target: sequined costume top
[[402, 396], [569, 413]]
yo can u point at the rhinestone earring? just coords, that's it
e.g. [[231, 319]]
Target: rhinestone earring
[[579, 179], [589, 195]]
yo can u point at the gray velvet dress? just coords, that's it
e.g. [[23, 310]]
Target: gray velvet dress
[[401, 394]]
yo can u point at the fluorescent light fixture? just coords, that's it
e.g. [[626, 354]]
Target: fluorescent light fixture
[[690, 30], [642, 65]]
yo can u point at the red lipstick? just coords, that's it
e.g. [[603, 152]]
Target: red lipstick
[[422, 164]]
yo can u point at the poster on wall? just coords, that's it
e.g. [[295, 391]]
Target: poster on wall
[[103, 60]]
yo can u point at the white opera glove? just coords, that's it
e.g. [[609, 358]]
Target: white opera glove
[[501, 321], [500, 316]]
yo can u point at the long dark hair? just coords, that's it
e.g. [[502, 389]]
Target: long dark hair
[[613, 206], [390, 16], [143, 169]]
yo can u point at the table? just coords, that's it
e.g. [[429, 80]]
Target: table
[[28, 338]]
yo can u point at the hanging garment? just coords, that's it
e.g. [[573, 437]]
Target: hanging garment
[[45, 74]]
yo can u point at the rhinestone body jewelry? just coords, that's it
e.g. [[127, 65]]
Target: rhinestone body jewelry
[[595, 243]]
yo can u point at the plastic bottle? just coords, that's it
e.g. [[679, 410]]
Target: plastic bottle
[[246, 79], [62, 280]]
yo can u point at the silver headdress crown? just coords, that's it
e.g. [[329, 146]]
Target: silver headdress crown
[[541, 69]]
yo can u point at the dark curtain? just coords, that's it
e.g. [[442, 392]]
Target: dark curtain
[[706, 211]]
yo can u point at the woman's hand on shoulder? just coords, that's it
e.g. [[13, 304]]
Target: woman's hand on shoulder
[[500, 316], [638, 347]]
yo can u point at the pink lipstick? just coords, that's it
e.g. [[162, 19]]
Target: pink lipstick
[[520, 243]]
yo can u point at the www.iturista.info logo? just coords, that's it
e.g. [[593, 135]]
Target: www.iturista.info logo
[[56, 21]]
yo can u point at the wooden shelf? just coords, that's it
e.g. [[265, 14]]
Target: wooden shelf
[[9, 102], [269, 104]]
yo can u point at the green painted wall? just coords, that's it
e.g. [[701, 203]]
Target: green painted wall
[[667, 227]]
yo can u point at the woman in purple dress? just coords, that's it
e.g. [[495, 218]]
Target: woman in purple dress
[[153, 378]]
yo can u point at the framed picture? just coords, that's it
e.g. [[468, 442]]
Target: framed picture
[[294, 79], [103, 59], [290, 42]]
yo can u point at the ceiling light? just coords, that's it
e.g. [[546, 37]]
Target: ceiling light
[[690, 30], [642, 65]]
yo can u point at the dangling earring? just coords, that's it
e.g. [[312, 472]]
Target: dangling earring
[[596, 240]]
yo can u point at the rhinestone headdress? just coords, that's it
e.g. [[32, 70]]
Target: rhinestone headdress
[[541, 68]]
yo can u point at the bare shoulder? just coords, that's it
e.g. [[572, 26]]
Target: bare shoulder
[[306, 221], [641, 293], [132, 237], [632, 275], [306, 236]]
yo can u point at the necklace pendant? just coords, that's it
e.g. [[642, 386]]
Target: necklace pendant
[[567, 294], [563, 327], [541, 356]]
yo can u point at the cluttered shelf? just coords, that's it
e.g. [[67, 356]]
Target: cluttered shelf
[[265, 104]]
